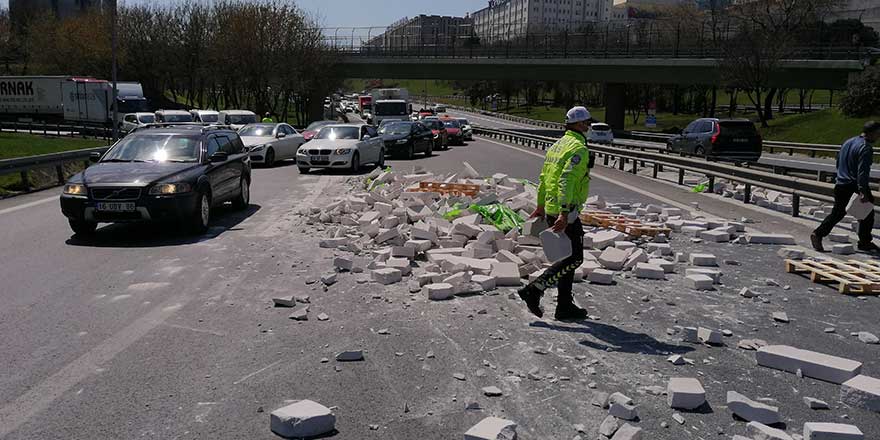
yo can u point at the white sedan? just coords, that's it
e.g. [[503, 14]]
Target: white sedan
[[346, 146], [600, 133], [270, 142]]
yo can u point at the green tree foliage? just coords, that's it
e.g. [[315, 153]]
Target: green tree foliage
[[863, 94]]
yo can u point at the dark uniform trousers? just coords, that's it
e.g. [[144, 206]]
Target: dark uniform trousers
[[561, 274]]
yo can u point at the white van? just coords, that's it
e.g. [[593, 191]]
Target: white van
[[237, 118], [205, 116]]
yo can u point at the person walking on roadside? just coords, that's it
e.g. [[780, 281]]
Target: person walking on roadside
[[268, 118], [854, 162], [563, 189]]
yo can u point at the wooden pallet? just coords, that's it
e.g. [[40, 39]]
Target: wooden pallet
[[455, 189], [632, 227], [850, 277]]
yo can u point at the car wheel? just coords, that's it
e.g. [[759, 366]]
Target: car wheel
[[430, 150], [201, 217], [303, 170], [244, 196], [446, 144], [411, 152], [270, 158], [82, 227], [355, 163], [700, 152], [381, 162]]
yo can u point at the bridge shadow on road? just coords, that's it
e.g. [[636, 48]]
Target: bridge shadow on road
[[147, 235], [610, 337]]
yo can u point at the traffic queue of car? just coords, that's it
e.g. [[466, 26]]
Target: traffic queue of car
[[175, 166]]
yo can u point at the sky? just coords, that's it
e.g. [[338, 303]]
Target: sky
[[357, 13]]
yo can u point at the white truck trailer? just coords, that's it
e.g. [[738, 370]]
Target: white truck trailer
[[390, 104]]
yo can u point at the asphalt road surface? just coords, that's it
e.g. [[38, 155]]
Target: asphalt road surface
[[145, 332]]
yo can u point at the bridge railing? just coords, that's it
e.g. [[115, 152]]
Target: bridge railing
[[630, 39]]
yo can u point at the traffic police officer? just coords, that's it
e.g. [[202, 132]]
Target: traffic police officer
[[565, 183], [267, 118]]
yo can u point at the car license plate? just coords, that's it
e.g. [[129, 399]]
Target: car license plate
[[320, 158], [116, 206], [740, 140]]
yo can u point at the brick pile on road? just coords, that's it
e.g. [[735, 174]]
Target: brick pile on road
[[395, 235]]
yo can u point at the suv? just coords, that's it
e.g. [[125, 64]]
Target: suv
[[730, 139], [162, 172]]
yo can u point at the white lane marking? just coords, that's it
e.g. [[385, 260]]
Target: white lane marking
[[634, 189], [27, 205], [256, 372], [38, 399]]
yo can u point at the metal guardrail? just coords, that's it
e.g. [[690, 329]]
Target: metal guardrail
[[23, 165], [796, 187], [57, 129]]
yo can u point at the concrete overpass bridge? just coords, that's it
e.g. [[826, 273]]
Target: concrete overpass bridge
[[615, 56]]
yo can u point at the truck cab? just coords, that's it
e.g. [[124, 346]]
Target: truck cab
[[391, 110]]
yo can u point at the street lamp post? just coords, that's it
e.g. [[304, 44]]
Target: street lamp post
[[113, 56]]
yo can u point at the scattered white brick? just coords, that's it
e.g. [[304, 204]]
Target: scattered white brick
[[664, 248], [386, 276], [815, 403], [613, 258], [649, 271], [332, 243], [703, 260], [838, 237], [843, 249], [780, 317], [666, 265], [492, 428], [401, 264], [699, 282], [601, 276], [812, 364], [750, 410], [506, 274], [709, 336], [636, 257], [861, 392], [603, 239], [715, 274], [628, 432], [386, 235], [328, 279], [486, 282], [304, 418], [403, 252], [624, 411], [624, 245], [534, 226], [685, 393], [831, 431], [715, 236], [760, 431], [756, 238], [676, 359]]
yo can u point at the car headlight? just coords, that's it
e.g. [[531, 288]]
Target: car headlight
[[342, 151], [402, 141], [301, 152], [257, 147], [75, 189], [170, 188]]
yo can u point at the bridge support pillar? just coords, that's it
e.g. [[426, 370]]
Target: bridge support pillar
[[615, 105]]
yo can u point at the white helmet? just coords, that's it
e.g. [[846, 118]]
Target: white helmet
[[577, 114]]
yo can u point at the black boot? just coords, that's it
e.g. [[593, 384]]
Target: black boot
[[869, 247], [570, 312], [532, 296], [816, 241]]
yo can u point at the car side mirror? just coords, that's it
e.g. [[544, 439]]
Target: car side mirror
[[366, 137], [219, 157], [94, 157], [281, 135]]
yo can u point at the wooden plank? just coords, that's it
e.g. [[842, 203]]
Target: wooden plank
[[850, 277]]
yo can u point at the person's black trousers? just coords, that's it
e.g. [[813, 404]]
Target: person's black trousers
[[561, 274], [842, 195]]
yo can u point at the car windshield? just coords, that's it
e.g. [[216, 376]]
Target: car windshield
[[433, 124], [177, 118], [210, 117], [241, 119], [334, 133], [155, 148], [391, 108], [314, 126], [257, 130], [600, 127], [452, 124], [464, 122], [396, 128], [146, 119]]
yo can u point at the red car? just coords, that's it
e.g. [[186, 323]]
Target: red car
[[314, 128], [441, 135], [453, 129]]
